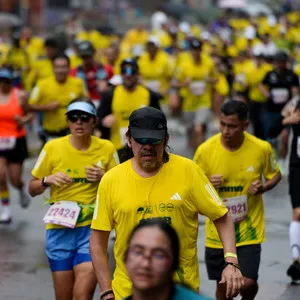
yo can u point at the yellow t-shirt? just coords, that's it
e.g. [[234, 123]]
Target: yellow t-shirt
[[34, 48], [254, 79], [177, 194], [48, 90], [198, 92], [155, 73], [222, 86], [59, 156], [252, 161], [136, 37], [241, 70], [123, 104]]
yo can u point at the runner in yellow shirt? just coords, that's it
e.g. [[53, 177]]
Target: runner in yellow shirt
[[72, 167], [118, 103], [236, 163], [52, 96], [155, 184]]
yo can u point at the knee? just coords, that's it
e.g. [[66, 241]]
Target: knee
[[249, 289], [16, 182], [296, 214]]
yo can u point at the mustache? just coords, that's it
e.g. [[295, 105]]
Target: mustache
[[152, 152]]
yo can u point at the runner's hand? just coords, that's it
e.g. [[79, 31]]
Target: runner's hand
[[233, 278], [109, 121], [255, 188], [59, 179], [94, 173], [216, 180], [294, 118]]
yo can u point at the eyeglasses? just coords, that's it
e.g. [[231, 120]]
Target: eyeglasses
[[82, 116], [155, 255], [150, 141]]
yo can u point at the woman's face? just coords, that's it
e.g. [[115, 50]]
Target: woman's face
[[149, 259], [80, 123]]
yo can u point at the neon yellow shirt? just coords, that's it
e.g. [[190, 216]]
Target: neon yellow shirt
[[48, 90], [241, 70], [155, 73], [252, 161], [122, 109], [177, 193], [59, 156], [254, 79], [193, 96]]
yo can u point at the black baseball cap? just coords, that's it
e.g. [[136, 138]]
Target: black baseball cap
[[281, 56], [148, 122], [130, 61], [86, 48], [195, 44]]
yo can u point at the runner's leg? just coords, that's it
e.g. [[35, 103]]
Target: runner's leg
[[4, 192], [63, 284], [85, 281]]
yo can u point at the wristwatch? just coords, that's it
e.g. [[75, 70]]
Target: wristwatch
[[232, 264], [44, 183]]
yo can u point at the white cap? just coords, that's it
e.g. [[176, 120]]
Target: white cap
[[82, 106], [250, 32], [205, 35], [155, 40], [185, 27], [116, 80]]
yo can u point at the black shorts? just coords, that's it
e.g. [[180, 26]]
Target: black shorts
[[18, 154], [248, 256], [294, 187]]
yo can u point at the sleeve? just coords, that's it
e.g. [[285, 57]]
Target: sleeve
[[275, 129], [103, 213], [43, 166], [199, 160], [266, 79], [295, 80], [154, 99], [104, 110], [205, 197], [35, 95], [113, 159], [271, 167]]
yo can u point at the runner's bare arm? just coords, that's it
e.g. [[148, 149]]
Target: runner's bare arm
[[269, 184], [231, 275], [264, 90], [98, 250], [36, 187]]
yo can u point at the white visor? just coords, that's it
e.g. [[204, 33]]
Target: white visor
[[82, 106]]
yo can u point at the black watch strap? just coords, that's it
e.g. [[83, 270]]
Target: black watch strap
[[232, 264]]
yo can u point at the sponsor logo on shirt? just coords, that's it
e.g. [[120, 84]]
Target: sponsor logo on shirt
[[176, 196]]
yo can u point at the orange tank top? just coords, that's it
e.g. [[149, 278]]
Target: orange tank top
[[8, 113]]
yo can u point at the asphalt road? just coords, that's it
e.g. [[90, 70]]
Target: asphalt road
[[24, 272]]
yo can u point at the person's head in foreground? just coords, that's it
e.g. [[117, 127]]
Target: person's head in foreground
[[81, 117], [151, 259], [147, 138]]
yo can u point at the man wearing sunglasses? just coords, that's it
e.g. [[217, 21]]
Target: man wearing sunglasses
[[118, 103], [156, 184]]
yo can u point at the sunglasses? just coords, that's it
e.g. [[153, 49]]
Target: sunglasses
[[150, 141], [82, 116], [130, 71]]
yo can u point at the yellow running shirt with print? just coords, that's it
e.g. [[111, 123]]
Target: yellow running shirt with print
[[59, 156], [177, 193], [252, 161]]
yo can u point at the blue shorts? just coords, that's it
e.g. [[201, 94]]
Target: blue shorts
[[67, 247]]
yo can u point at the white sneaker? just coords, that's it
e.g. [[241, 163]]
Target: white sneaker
[[5, 217]]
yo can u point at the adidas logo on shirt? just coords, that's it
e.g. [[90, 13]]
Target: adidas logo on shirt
[[250, 169], [176, 197]]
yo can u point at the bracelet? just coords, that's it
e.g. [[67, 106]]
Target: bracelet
[[230, 254], [232, 264], [105, 293], [44, 183]]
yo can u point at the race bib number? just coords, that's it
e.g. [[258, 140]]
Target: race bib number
[[153, 85], [280, 96], [240, 78], [237, 207], [298, 146], [197, 87], [7, 143], [64, 213], [123, 131]]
